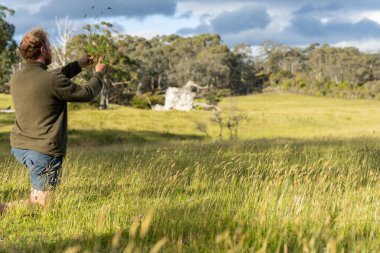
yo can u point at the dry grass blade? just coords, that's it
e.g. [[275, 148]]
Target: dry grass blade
[[74, 249], [146, 224], [157, 247]]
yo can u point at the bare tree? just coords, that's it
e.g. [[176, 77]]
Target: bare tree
[[65, 31], [218, 119]]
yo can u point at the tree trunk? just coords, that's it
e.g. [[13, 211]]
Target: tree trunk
[[138, 91], [104, 96], [159, 82], [152, 84]]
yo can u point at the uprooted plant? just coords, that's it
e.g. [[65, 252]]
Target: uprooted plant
[[97, 37]]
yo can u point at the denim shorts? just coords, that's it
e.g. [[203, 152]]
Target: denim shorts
[[44, 170]]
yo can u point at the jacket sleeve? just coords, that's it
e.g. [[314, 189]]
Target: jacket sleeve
[[68, 91], [70, 70]]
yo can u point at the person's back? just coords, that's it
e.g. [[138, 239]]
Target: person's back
[[39, 136], [40, 115]]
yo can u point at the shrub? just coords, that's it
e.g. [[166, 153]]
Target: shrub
[[157, 100], [301, 83], [146, 102], [224, 93], [5, 88], [212, 97], [140, 102], [343, 85], [286, 84]]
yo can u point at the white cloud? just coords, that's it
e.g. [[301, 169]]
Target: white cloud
[[372, 15], [211, 8], [368, 46], [280, 18], [153, 25], [25, 4]]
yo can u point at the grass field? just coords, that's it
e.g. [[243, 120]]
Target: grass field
[[303, 177]]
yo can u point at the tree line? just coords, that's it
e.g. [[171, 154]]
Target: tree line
[[322, 70], [152, 65], [8, 56], [139, 65]]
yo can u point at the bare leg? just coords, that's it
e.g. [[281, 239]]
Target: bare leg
[[40, 197]]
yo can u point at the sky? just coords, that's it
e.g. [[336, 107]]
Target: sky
[[289, 22]]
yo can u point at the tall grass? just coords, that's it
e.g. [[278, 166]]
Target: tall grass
[[143, 191], [275, 195]]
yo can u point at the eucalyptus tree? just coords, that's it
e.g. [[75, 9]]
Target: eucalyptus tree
[[8, 55], [243, 78]]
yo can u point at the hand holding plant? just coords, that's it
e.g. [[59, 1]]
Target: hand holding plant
[[97, 38], [85, 61], [100, 66]]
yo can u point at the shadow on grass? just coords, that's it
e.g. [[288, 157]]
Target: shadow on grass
[[108, 137], [175, 221]]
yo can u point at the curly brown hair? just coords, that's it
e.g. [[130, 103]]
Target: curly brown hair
[[31, 43]]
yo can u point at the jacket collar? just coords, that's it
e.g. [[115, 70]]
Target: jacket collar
[[33, 63]]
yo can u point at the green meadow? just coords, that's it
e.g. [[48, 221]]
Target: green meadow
[[302, 175]]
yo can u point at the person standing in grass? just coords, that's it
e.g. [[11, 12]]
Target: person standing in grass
[[39, 136]]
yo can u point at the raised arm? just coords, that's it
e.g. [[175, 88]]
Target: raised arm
[[74, 68], [68, 91], [70, 70]]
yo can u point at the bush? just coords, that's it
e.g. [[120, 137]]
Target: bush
[[157, 100], [286, 84], [5, 88], [140, 102], [344, 85], [301, 83], [146, 102], [212, 97], [224, 93], [279, 77]]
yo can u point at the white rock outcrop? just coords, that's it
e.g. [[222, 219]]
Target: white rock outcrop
[[180, 99]]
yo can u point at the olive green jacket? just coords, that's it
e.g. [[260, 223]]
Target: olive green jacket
[[40, 99]]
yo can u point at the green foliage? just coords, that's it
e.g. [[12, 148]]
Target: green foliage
[[320, 70], [164, 61], [344, 85], [140, 102], [8, 54], [146, 101], [157, 100], [97, 41], [212, 97], [301, 84], [286, 84]]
